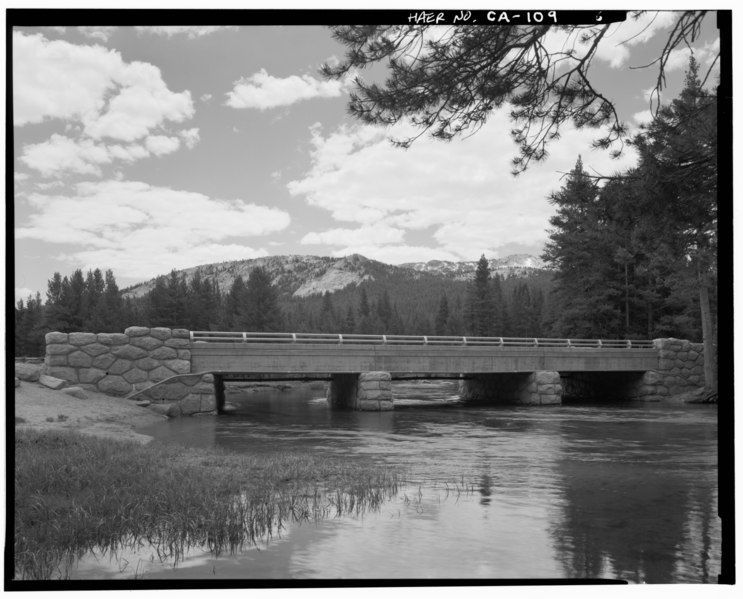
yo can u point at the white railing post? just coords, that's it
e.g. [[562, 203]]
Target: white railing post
[[340, 339]]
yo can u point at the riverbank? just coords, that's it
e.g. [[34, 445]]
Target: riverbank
[[39, 408], [85, 480]]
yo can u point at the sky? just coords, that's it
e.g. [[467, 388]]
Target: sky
[[144, 149]]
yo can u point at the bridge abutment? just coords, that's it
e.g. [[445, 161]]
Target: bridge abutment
[[367, 391], [525, 388]]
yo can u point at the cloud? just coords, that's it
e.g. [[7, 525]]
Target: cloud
[[98, 33], [22, 293], [101, 98], [61, 154], [263, 91], [140, 230], [190, 31], [364, 235], [461, 192]]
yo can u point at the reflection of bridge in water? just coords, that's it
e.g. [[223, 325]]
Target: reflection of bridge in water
[[360, 367]]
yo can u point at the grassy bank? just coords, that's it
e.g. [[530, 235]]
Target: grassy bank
[[75, 493]]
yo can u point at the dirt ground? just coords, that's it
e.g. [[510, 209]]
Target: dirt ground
[[101, 415]]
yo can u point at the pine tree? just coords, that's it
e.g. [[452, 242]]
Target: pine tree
[[260, 311], [442, 316]]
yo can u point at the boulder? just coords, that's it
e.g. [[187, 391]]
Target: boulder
[[27, 372], [55, 337], [79, 359], [113, 338], [114, 385], [62, 372], [148, 343], [81, 338], [128, 352], [52, 382], [143, 403], [181, 333], [161, 333], [91, 376], [75, 392], [137, 331], [165, 353], [94, 349]]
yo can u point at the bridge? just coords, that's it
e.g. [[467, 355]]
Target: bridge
[[187, 370], [360, 367]]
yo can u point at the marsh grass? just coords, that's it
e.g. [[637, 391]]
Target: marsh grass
[[76, 494]]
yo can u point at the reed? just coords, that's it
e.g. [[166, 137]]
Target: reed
[[76, 493]]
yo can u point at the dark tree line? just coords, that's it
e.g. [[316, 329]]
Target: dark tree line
[[636, 257]]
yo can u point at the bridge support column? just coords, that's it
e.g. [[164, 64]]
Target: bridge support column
[[368, 391], [219, 393], [526, 388]]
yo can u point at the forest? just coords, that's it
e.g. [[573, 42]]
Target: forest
[[633, 255]]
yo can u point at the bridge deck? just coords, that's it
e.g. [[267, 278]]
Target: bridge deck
[[322, 358]]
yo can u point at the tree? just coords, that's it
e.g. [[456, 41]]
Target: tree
[[678, 163], [442, 316], [450, 82], [481, 306], [260, 311]]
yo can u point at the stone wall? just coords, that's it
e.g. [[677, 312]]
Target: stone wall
[[122, 363], [526, 388], [680, 370]]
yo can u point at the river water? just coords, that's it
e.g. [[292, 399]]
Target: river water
[[618, 491]]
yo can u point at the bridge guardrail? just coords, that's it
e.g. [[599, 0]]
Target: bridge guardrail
[[358, 339]]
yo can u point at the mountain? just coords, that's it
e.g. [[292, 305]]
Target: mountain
[[304, 276], [516, 264]]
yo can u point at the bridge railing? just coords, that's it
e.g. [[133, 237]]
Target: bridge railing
[[357, 339]]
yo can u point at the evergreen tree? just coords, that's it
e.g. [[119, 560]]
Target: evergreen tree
[[481, 306], [442, 316], [260, 312]]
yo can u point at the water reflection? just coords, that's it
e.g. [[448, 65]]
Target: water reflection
[[623, 491]]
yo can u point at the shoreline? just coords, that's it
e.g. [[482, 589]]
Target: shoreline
[[43, 409]]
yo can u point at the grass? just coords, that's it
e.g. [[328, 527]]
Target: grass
[[77, 493]]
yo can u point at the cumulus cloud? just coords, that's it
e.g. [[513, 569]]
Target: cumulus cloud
[[98, 33], [362, 236], [61, 154], [22, 293], [190, 31], [460, 193], [101, 98], [263, 91], [141, 230]]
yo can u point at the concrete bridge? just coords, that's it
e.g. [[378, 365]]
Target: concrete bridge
[[360, 367], [185, 371]]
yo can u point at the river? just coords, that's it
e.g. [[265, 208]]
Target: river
[[619, 491]]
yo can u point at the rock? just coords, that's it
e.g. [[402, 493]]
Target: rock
[[27, 372], [55, 349], [113, 338], [135, 375], [190, 404], [55, 338], [143, 402], [179, 343], [75, 392], [120, 367], [62, 372], [51, 382], [160, 373], [148, 343], [179, 366], [114, 385], [147, 363], [82, 338], [95, 349], [104, 361], [165, 353], [137, 331], [374, 376], [128, 352], [79, 359], [161, 333], [181, 333], [91, 375]]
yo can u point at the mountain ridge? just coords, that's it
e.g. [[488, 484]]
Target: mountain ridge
[[302, 276]]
